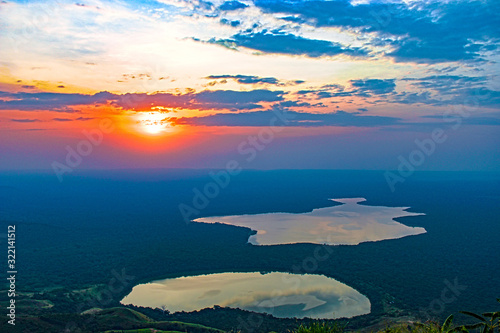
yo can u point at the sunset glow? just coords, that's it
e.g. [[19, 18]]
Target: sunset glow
[[222, 69], [153, 123]]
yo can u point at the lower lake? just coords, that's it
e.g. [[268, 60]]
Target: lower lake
[[282, 295]]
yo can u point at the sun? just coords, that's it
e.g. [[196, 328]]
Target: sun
[[153, 123]]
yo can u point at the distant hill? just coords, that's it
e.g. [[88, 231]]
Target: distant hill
[[107, 320]]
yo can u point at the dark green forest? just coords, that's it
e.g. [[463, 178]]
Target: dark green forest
[[86, 242]]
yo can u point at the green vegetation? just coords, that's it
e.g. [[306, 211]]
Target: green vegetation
[[321, 327], [142, 330], [126, 320], [486, 325], [108, 320], [85, 243], [489, 323]]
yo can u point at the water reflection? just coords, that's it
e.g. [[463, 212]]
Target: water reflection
[[350, 223], [283, 295]]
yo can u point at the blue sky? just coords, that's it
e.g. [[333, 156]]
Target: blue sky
[[202, 75]]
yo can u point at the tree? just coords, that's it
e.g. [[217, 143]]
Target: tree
[[164, 309]]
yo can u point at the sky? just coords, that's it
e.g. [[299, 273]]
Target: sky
[[272, 84]]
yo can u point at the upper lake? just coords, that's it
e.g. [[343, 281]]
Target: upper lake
[[348, 224]]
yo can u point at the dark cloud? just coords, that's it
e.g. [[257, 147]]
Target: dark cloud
[[232, 5], [233, 97], [437, 90], [419, 32], [71, 119], [360, 87], [218, 99], [447, 83], [51, 101], [246, 79], [231, 23], [481, 96], [442, 90], [471, 98], [251, 79], [263, 118], [202, 6], [463, 31], [373, 86], [317, 94], [416, 98], [326, 91], [285, 43], [447, 69], [289, 104], [25, 120]]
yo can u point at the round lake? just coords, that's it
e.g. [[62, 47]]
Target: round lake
[[282, 295]]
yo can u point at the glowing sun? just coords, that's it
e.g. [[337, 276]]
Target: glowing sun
[[152, 123]]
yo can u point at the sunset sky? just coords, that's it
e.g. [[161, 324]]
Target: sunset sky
[[269, 83]]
